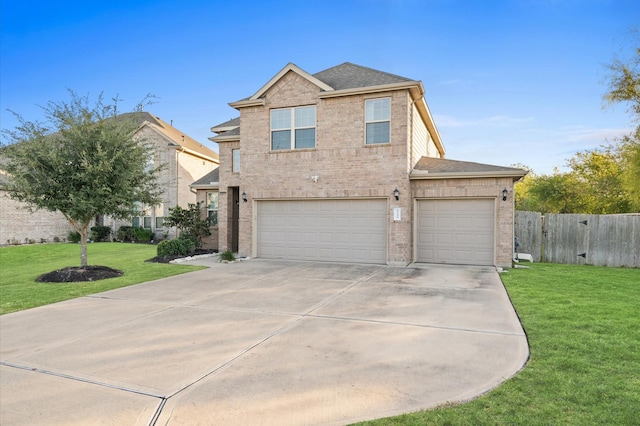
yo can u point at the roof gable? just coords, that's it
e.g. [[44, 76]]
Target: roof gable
[[294, 68], [171, 133]]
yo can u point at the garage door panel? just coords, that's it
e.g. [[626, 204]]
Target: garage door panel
[[455, 231], [329, 230]]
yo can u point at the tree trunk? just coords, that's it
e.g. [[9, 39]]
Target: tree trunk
[[83, 244]]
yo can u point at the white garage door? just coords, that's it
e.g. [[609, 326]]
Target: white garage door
[[327, 230], [456, 231]]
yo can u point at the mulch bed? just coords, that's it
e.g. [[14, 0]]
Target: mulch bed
[[74, 274]]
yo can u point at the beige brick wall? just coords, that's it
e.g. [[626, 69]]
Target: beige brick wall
[[478, 188], [19, 226], [345, 166]]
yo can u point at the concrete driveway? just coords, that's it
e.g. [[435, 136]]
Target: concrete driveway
[[262, 342]]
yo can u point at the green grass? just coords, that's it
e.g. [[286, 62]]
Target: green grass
[[21, 265], [583, 326]]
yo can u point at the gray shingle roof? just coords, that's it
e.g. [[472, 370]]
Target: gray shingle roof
[[208, 179], [229, 123], [441, 165], [349, 76]]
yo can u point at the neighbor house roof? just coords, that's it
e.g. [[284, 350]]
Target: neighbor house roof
[[209, 181], [176, 137], [440, 168]]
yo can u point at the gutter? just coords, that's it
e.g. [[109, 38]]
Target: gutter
[[425, 175]]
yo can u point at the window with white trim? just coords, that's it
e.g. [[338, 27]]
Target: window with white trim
[[235, 160], [159, 215], [293, 128], [212, 208], [377, 121], [144, 218]]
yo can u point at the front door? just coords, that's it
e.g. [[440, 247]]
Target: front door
[[234, 217]]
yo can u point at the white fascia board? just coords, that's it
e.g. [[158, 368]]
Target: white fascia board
[[224, 138], [247, 103], [290, 67], [371, 89], [221, 129], [210, 185], [425, 175]]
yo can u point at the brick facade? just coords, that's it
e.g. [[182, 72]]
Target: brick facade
[[19, 226], [342, 166]]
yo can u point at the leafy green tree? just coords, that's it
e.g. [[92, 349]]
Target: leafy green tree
[[189, 222], [600, 181], [624, 88], [83, 161], [630, 147], [556, 193], [598, 174]]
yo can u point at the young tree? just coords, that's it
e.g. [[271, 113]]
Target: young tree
[[83, 161], [189, 222]]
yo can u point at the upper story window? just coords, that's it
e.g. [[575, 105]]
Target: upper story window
[[293, 128], [235, 160], [377, 120]]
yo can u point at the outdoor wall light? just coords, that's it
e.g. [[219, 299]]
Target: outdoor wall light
[[244, 197], [396, 194], [504, 194]]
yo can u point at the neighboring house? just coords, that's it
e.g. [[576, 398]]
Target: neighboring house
[[185, 160], [19, 226], [347, 165]]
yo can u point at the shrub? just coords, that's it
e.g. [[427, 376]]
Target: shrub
[[100, 233], [228, 256], [189, 222], [126, 234], [73, 237], [177, 247], [143, 234]]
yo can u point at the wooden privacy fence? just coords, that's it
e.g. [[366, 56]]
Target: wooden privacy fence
[[603, 240]]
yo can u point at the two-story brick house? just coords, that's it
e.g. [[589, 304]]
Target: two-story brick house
[[347, 165], [184, 160]]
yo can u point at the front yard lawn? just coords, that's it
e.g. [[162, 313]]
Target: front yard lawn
[[21, 265], [583, 326]]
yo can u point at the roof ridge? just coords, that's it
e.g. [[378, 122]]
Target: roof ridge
[[380, 71]]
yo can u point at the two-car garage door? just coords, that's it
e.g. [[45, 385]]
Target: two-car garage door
[[456, 231], [326, 230]]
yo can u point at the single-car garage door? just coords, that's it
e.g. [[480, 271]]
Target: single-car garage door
[[455, 231], [327, 230]]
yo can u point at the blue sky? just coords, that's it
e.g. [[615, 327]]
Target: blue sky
[[513, 81]]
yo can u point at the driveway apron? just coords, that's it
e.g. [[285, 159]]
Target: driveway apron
[[264, 343]]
